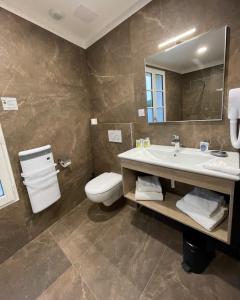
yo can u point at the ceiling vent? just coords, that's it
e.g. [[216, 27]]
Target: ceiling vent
[[85, 14]]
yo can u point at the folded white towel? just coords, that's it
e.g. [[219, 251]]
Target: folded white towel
[[206, 202], [149, 184], [148, 196], [206, 222], [221, 166]]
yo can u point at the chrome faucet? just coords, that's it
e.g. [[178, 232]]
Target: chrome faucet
[[176, 143]]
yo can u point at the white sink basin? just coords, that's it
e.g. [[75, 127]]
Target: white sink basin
[[179, 157], [187, 159]]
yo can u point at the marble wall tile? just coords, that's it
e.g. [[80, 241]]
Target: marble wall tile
[[112, 98], [56, 97], [157, 18], [200, 95], [173, 95], [49, 77], [153, 24], [111, 76], [104, 152]]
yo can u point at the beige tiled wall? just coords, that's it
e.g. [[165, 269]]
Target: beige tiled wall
[[116, 64], [49, 78]]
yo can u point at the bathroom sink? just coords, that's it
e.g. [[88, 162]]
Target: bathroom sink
[[187, 159], [179, 157]]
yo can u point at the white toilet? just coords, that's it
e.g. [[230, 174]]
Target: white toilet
[[105, 188]]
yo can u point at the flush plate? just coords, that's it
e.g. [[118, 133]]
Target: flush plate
[[9, 103], [115, 136]]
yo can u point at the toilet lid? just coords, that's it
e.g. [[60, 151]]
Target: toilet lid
[[103, 183]]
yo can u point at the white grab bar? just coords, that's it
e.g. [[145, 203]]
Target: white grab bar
[[27, 175], [30, 182]]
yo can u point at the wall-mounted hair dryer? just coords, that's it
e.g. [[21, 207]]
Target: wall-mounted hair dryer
[[234, 115]]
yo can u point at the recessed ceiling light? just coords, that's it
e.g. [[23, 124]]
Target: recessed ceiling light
[[177, 38], [57, 15], [201, 50]]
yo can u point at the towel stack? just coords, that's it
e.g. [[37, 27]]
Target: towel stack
[[148, 188], [204, 206]]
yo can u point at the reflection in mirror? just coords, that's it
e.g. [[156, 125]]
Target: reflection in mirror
[[186, 82]]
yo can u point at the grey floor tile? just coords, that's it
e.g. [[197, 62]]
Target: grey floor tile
[[119, 255], [126, 249], [94, 226], [69, 286], [105, 279], [170, 282], [131, 249], [62, 229], [32, 269]]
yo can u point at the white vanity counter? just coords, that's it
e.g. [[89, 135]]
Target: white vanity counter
[[187, 159], [185, 167]]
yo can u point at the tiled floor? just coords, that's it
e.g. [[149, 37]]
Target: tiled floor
[[122, 255]]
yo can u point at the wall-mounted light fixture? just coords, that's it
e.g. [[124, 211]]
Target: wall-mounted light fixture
[[201, 50], [177, 38]]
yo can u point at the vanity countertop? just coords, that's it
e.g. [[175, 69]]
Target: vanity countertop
[[187, 159]]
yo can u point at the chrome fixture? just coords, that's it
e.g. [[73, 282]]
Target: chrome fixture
[[176, 143]]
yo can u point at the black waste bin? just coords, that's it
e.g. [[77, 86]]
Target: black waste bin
[[196, 255]]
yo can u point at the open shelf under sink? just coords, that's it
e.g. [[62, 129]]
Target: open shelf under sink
[[168, 208]]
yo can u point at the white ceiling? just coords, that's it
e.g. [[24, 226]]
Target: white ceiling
[[84, 22], [183, 57]]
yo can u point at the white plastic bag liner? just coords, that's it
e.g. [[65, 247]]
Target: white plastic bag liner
[[40, 177]]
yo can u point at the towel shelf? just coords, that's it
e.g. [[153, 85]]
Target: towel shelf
[[131, 169], [168, 208]]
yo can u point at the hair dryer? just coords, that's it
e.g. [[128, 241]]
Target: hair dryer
[[234, 115]]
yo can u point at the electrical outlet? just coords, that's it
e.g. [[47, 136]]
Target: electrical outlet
[[141, 112]]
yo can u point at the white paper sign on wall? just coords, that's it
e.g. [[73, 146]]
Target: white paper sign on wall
[[9, 103], [115, 136]]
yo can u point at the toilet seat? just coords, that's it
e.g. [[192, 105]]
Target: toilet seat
[[103, 183], [105, 188]]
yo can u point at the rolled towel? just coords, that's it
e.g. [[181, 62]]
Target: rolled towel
[[149, 184], [221, 166], [205, 201], [206, 222]]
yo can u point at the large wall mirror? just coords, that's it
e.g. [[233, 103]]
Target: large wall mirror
[[186, 82]]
